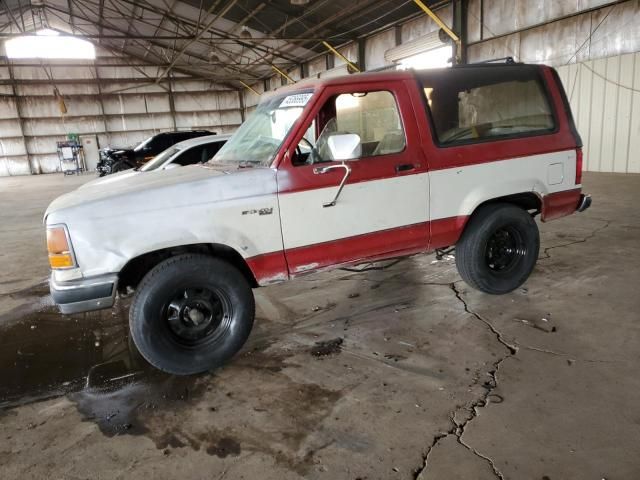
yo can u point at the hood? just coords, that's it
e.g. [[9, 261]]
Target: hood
[[130, 190], [122, 151], [114, 177]]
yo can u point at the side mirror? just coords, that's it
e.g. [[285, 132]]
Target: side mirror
[[345, 146], [171, 166]]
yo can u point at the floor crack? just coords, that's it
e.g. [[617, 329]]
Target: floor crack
[[582, 240], [471, 410]]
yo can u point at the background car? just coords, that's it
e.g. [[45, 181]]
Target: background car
[[116, 160], [189, 152]]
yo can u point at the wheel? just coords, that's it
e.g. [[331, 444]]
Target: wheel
[[191, 313], [498, 248], [119, 166]]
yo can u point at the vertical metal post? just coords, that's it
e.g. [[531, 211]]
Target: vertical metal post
[[460, 16], [14, 92], [102, 111], [172, 105], [362, 63], [241, 102]]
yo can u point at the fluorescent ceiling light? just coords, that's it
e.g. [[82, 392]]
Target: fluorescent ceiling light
[[437, 58], [49, 44]]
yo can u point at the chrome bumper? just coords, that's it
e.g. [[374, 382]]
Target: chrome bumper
[[84, 295]]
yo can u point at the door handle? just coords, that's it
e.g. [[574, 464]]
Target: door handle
[[405, 167], [327, 169]]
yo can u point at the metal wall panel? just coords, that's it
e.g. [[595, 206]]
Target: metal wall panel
[[605, 100], [119, 110], [605, 32], [375, 48], [423, 25], [12, 147], [14, 166]]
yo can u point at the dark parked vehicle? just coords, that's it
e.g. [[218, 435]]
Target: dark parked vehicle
[[116, 160]]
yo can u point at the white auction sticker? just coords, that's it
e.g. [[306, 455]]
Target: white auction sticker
[[297, 100]]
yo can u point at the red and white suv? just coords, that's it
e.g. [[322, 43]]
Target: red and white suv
[[325, 173]]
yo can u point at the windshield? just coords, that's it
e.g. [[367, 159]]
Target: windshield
[[140, 146], [258, 139], [159, 159]]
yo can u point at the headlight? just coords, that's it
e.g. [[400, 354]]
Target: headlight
[[59, 247]]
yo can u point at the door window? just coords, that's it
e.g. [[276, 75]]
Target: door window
[[196, 154], [354, 125]]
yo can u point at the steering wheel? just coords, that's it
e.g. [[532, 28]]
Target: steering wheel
[[310, 160]]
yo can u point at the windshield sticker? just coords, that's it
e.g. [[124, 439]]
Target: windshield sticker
[[297, 100]]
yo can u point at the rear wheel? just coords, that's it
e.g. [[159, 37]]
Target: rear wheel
[[498, 249], [191, 313]]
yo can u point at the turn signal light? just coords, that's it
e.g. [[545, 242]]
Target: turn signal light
[[60, 254]]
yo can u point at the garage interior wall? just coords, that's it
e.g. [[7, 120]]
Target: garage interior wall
[[111, 97], [583, 37], [562, 33]]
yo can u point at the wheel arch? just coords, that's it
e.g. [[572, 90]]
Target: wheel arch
[[529, 201], [136, 268]]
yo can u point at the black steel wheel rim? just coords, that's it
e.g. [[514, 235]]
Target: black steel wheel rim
[[505, 249], [198, 315]]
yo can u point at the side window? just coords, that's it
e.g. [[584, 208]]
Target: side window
[[192, 155], [494, 102], [160, 143], [354, 125], [212, 148]]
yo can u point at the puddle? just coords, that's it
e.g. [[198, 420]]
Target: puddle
[[45, 354], [89, 358]]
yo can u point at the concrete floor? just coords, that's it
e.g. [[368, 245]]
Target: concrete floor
[[432, 380]]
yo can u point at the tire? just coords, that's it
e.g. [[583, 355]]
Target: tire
[[498, 248], [120, 166], [191, 313]]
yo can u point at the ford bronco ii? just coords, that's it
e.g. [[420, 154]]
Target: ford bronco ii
[[325, 173]]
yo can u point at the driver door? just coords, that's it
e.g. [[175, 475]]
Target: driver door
[[361, 193]]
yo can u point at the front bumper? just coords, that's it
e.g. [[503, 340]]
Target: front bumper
[[84, 295]]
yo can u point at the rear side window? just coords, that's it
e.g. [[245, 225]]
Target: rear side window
[[470, 105], [197, 154]]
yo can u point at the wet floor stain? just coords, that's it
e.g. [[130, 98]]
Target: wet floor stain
[[123, 408], [44, 353], [327, 347], [90, 359]]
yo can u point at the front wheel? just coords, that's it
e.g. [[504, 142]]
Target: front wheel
[[191, 313], [498, 249], [120, 166]]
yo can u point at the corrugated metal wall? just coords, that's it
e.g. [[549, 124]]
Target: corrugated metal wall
[[605, 100], [114, 101], [584, 40], [555, 32]]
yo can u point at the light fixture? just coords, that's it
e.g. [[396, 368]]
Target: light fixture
[[299, 2], [245, 33], [49, 44]]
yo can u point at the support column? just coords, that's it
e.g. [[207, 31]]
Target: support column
[[460, 10], [102, 112], [172, 105], [362, 55], [14, 93]]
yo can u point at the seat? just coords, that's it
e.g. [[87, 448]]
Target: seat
[[392, 142]]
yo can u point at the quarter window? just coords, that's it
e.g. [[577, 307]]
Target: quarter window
[[490, 102]]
